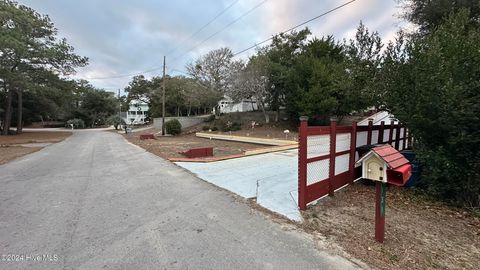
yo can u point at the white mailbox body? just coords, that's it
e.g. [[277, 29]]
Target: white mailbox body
[[373, 167]]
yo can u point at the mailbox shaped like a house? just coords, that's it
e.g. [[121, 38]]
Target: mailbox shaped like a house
[[385, 164]]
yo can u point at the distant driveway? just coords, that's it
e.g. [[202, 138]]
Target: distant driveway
[[95, 201]]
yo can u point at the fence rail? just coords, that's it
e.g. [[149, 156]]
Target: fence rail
[[327, 154]]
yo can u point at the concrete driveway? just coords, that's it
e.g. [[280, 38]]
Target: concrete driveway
[[95, 201], [270, 178]]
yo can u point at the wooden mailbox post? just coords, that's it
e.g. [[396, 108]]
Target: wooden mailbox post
[[384, 164]]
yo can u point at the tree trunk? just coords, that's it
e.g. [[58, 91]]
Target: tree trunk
[[43, 122], [19, 111], [267, 118], [8, 113], [277, 114]]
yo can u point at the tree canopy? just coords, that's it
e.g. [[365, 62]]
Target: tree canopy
[[31, 57]]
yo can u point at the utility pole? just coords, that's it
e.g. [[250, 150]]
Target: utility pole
[[163, 98]]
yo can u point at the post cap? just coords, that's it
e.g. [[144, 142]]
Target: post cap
[[303, 118], [370, 119]]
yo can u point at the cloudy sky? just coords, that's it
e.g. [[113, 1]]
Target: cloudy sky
[[126, 37]]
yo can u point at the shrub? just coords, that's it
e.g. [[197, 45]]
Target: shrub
[[115, 121], [173, 127], [77, 123], [227, 125], [235, 126], [211, 118], [434, 90], [205, 128]]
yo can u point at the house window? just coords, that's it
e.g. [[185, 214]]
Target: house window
[[132, 112]]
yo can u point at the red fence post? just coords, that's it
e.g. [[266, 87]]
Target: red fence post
[[390, 138], [333, 147], [302, 163], [369, 131], [397, 138], [353, 146], [381, 131]]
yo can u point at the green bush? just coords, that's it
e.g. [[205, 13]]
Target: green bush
[[211, 118], [115, 121], [227, 125], [173, 127], [434, 90], [77, 123], [235, 126]]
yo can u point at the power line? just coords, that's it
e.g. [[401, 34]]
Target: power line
[[221, 30], [228, 25], [171, 51], [125, 75], [204, 26], [296, 26]]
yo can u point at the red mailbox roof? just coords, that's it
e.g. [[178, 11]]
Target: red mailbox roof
[[391, 156]]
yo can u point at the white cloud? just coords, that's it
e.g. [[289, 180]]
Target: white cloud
[[124, 37]]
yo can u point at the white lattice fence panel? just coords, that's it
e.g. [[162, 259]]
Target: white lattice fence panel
[[374, 136], [341, 164], [400, 145], [318, 145], [406, 141], [317, 171], [343, 142], [361, 138], [402, 130], [386, 135]]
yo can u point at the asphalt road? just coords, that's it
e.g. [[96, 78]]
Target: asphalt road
[[94, 201]]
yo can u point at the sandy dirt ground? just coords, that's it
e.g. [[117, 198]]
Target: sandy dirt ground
[[170, 146], [10, 150], [34, 137], [8, 153], [264, 132], [420, 234]]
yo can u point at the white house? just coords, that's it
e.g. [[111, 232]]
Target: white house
[[378, 117], [137, 113], [227, 105]]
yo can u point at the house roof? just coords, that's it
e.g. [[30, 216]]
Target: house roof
[[377, 118], [387, 153], [390, 155]]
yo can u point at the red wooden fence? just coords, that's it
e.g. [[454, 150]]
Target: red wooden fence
[[327, 155]]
